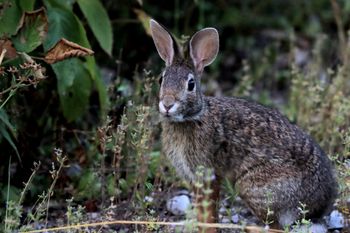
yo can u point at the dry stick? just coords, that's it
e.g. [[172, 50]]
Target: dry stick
[[248, 229], [340, 27], [2, 55]]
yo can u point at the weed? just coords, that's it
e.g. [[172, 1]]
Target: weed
[[303, 225], [74, 215], [269, 212]]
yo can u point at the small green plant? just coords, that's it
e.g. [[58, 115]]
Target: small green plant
[[39, 212], [269, 212], [303, 225], [231, 190], [322, 106], [14, 208], [74, 215]]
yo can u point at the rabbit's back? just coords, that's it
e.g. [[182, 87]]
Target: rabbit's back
[[277, 165]]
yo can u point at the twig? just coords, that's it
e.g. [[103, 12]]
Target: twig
[[24, 191], [2, 55], [248, 229], [55, 174]]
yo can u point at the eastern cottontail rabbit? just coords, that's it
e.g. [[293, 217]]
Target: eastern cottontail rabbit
[[273, 163]]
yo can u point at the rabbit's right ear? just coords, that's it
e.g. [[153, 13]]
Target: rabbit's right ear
[[163, 41]]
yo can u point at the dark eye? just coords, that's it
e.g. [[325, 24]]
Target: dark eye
[[190, 84], [160, 80]]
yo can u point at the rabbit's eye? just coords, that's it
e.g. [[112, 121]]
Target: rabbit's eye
[[190, 84]]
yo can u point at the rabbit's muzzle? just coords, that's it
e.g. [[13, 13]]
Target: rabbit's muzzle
[[168, 105]]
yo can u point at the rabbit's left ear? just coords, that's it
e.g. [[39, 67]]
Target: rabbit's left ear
[[204, 46]]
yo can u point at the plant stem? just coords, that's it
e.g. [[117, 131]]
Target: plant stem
[[8, 192]]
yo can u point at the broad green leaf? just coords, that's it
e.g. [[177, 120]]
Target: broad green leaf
[[68, 3], [74, 87], [32, 31], [99, 22], [63, 24], [10, 15], [27, 5], [98, 84]]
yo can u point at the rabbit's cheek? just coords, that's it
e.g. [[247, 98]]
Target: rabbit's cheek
[[162, 109]]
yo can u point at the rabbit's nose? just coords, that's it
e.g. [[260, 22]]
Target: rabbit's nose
[[168, 102], [168, 107]]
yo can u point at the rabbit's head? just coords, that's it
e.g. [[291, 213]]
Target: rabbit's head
[[180, 96]]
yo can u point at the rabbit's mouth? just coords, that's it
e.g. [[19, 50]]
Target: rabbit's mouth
[[170, 112]]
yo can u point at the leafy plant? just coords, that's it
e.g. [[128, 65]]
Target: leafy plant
[[47, 26]]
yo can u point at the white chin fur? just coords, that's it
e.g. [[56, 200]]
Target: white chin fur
[[161, 108]]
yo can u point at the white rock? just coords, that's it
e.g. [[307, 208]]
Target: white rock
[[336, 220], [178, 205], [223, 210], [93, 215], [235, 218], [225, 220], [148, 199]]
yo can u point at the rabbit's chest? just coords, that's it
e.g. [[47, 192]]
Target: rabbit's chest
[[178, 155], [186, 148]]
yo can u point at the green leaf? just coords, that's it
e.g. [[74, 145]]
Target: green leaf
[[98, 84], [99, 22], [10, 15], [32, 32], [89, 185], [68, 3], [27, 5], [5, 119], [111, 185], [74, 87], [63, 24], [14, 193], [5, 127], [4, 133]]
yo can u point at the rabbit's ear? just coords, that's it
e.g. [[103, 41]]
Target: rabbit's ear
[[204, 46], [163, 41]]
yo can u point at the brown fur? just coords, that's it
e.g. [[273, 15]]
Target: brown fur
[[273, 163]]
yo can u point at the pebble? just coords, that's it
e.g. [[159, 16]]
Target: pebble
[[235, 218], [225, 220], [178, 205], [148, 199], [223, 210], [93, 215], [336, 220]]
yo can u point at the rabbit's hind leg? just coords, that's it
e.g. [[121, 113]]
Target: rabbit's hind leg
[[287, 218]]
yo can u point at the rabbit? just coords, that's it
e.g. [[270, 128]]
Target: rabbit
[[273, 164]]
